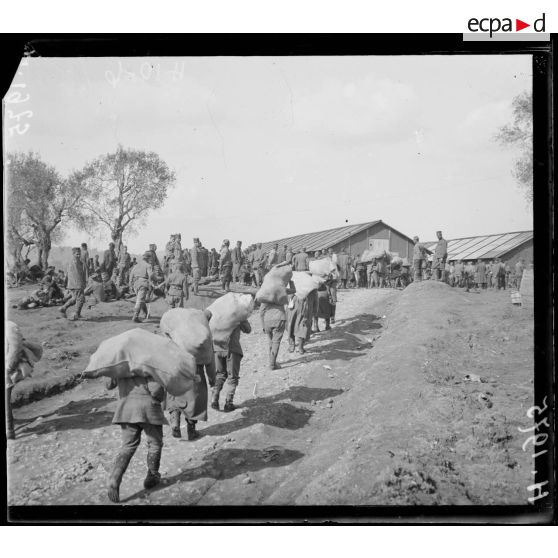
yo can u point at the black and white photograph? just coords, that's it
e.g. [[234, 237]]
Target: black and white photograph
[[272, 281]]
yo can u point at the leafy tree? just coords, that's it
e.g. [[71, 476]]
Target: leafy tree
[[519, 135], [40, 203], [121, 189]]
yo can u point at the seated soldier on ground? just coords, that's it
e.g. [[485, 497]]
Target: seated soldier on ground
[[38, 298]]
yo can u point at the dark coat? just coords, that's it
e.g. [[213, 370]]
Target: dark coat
[[140, 401], [194, 402]]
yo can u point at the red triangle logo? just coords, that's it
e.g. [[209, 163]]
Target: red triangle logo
[[519, 25]]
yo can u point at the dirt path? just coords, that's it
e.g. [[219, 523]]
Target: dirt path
[[377, 412]]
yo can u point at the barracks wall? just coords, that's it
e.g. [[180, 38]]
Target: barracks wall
[[385, 237]]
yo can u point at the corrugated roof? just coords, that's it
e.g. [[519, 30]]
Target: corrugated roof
[[484, 247], [321, 240]]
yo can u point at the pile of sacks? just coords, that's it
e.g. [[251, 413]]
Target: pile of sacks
[[274, 286], [171, 359], [21, 355]]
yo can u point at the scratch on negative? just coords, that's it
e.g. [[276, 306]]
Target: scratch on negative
[[290, 92], [218, 132]]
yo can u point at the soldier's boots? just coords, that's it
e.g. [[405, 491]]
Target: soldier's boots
[[229, 406], [153, 477], [62, 311], [215, 398], [193, 434], [273, 359], [175, 424], [119, 468], [327, 326], [300, 347], [136, 317], [291, 345]]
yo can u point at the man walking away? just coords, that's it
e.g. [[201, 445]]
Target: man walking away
[[176, 285], [274, 320], [139, 410], [141, 281], [77, 280], [227, 364]]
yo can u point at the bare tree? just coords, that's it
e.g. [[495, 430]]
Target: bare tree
[[519, 135], [121, 189], [40, 202]]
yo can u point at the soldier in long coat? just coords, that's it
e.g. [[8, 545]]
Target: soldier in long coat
[[237, 261], [196, 262], [288, 255], [213, 262], [439, 257], [480, 277], [193, 404], [109, 259], [124, 263], [300, 313], [225, 266], [343, 263], [300, 261], [204, 260]]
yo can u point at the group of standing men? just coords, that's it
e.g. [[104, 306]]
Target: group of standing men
[[472, 274]]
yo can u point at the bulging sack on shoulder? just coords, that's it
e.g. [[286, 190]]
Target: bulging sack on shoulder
[[137, 352], [14, 344], [322, 267], [274, 286], [189, 329], [226, 314], [305, 283], [369, 255]]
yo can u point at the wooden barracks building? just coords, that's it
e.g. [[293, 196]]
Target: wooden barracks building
[[354, 238]]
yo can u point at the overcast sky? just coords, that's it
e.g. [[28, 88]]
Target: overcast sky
[[270, 147]]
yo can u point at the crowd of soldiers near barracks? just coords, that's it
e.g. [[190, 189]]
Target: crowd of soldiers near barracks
[[116, 276], [142, 401]]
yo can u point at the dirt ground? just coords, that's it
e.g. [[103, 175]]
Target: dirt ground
[[413, 397]]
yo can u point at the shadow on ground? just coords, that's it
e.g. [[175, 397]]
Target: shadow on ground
[[344, 341], [273, 411], [74, 415], [229, 463]]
